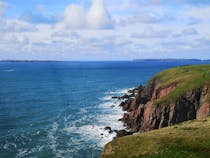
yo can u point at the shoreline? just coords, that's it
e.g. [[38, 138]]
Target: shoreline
[[158, 104], [171, 101], [127, 97]]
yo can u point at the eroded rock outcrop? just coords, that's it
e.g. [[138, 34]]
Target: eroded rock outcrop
[[145, 112]]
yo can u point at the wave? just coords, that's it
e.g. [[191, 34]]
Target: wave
[[18, 145], [8, 146], [110, 103], [52, 137], [9, 70], [87, 131], [93, 133], [23, 152], [119, 91], [106, 98], [109, 112]]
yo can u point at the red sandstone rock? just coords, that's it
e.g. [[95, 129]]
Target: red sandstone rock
[[144, 115]]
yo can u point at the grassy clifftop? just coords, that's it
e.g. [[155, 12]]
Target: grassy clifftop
[[186, 140], [186, 79]]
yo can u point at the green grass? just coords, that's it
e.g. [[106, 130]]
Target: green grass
[[186, 79], [185, 140]]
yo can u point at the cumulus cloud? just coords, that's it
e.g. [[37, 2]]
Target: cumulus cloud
[[74, 16], [97, 17], [141, 29]]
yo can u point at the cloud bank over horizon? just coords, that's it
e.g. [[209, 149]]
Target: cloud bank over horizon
[[104, 30]]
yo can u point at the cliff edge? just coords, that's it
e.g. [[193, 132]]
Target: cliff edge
[[172, 96]]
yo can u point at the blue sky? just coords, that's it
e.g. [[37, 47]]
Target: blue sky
[[104, 29], [20, 6]]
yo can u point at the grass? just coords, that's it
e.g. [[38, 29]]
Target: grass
[[186, 79], [185, 140]]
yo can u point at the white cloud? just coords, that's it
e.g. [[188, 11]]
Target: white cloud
[[189, 31], [151, 33], [16, 26], [199, 13], [74, 16], [3, 8], [84, 33], [13, 25], [186, 32], [97, 17]]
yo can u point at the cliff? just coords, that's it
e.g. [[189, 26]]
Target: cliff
[[172, 96]]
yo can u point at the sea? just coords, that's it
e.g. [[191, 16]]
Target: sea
[[59, 109]]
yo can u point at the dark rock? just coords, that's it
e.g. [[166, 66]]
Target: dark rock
[[120, 119], [131, 95], [126, 106], [115, 97], [122, 104], [108, 129], [122, 133], [126, 96], [112, 106], [131, 91]]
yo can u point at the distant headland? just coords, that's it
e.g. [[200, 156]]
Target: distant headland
[[171, 60]]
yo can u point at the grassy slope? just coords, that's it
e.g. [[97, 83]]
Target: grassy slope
[[187, 78], [186, 140]]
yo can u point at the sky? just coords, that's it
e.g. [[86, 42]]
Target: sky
[[104, 29]]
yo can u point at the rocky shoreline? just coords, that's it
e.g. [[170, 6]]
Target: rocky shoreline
[[143, 112], [126, 100], [173, 96]]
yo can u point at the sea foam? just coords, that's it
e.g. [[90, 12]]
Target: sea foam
[[110, 113]]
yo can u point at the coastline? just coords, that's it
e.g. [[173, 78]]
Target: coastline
[[123, 100], [114, 114], [158, 104], [174, 97]]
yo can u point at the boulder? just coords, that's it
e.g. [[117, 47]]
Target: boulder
[[122, 133], [109, 129]]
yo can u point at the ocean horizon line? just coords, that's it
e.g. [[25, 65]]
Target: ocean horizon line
[[132, 60]]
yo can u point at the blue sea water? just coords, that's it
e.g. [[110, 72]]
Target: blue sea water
[[59, 109]]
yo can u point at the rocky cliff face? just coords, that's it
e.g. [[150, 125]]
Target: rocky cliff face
[[145, 113]]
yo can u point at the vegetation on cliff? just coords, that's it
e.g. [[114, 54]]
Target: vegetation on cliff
[[186, 78], [185, 140], [171, 97]]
